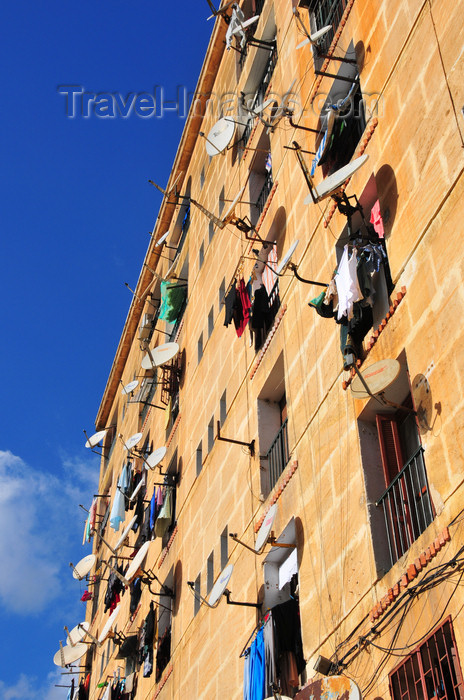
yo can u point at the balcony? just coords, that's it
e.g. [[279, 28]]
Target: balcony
[[407, 506], [278, 455], [328, 12], [264, 194], [260, 95]]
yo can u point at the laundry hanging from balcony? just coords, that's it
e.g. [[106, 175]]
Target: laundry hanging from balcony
[[172, 300], [352, 292], [238, 305]]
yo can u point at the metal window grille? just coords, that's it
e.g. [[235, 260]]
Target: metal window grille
[[328, 12], [278, 454], [265, 192], [407, 506], [432, 671]]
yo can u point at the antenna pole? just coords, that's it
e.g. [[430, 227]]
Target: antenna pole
[[305, 170]]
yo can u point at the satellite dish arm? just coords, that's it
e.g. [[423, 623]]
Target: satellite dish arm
[[294, 269], [233, 535], [191, 586], [227, 594]]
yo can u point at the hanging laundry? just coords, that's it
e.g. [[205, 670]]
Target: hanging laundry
[[269, 656], [118, 510], [245, 306], [172, 300], [254, 679], [346, 280], [87, 595], [114, 589], [135, 594], [231, 300], [164, 519], [376, 220]]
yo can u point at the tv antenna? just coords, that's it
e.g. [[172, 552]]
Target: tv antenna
[[221, 12]]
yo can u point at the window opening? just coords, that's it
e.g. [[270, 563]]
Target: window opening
[[210, 321], [196, 599], [322, 14], [398, 493], [224, 548], [254, 96], [210, 573], [200, 347], [199, 458], [432, 671], [163, 653], [211, 434], [210, 231], [201, 256], [223, 408], [273, 428]]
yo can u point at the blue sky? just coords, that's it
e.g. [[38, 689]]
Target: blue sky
[[75, 216]]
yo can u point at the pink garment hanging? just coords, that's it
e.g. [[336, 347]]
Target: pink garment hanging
[[376, 220], [246, 306]]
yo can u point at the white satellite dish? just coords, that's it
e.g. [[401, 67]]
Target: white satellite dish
[[314, 38], [109, 625], [261, 107], [137, 562], [282, 266], [83, 567], [129, 388], [265, 529], [136, 490], [244, 25], [377, 377], [95, 439], [133, 441], [231, 210], [155, 458], [68, 654], [125, 532], [161, 240], [78, 633], [220, 586], [220, 136], [160, 355], [335, 181]]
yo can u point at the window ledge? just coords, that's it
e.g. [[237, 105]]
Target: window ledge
[[421, 562], [162, 682], [278, 489], [168, 547], [375, 336], [267, 342]]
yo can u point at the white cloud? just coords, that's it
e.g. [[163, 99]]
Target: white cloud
[[39, 519], [23, 689], [28, 687]]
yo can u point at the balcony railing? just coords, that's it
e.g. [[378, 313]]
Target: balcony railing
[[278, 455], [260, 95], [264, 194], [328, 12], [407, 506]]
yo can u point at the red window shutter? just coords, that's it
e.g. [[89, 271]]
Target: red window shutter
[[390, 449]]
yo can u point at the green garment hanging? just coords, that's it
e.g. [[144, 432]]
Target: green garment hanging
[[172, 300]]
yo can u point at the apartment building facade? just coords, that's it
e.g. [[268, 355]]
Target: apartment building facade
[[255, 416]]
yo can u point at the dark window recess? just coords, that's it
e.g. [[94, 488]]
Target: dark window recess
[[172, 478], [250, 8], [145, 395], [406, 504], [184, 229], [265, 296], [265, 192], [110, 442], [163, 652], [278, 454], [259, 96], [432, 671], [179, 318], [170, 381]]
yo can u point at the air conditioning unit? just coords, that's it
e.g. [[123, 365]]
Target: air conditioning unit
[[146, 327]]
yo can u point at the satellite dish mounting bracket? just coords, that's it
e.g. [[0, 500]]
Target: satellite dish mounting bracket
[[148, 577], [250, 445], [227, 595]]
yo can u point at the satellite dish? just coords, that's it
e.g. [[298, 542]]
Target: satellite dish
[[333, 688], [125, 532], [95, 439], [422, 395], [129, 388], [377, 377], [282, 266], [133, 441], [78, 633], [137, 562], [83, 567], [161, 240], [68, 654], [160, 355], [261, 107], [136, 490], [155, 458], [314, 38], [265, 529], [332, 183], [231, 210], [220, 136], [109, 625], [220, 586]]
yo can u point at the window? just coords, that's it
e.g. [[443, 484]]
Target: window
[[261, 180], [223, 408], [257, 86], [145, 394], [395, 475], [200, 347], [211, 434], [199, 458], [201, 256], [324, 13], [224, 547], [273, 428], [221, 201], [432, 671], [211, 230], [202, 177], [210, 321], [196, 599], [172, 478], [222, 293], [163, 652], [210, 573], [282, 601]]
